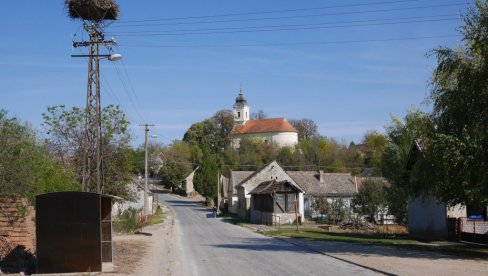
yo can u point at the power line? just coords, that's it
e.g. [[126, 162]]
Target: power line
[[268, 12], [291, 43], [286, 25], [296, 16], [289, 29], [126, 90], [132, 88]]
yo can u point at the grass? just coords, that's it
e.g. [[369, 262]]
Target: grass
[[157, 218], [129, 222], [400, 241], [232, 219]]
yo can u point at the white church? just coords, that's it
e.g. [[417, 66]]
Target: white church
[[276, 131]]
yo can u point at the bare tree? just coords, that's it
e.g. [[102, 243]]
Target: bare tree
[[306, 128]]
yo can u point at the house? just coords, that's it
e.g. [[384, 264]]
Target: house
[[235, 178], [189, 187], [259, 186], [275, 131], [332, 186], [223, 195]]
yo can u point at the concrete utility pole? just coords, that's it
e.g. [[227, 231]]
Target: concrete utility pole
[[146, 190], [92, 143]]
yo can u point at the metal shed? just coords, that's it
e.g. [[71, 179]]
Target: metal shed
[[73, 232]]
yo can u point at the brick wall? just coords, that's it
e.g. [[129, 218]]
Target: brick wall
[[474, 226], [17, 225]]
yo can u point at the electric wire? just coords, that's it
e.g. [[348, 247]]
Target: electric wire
[[267, 12], [297, 16], [132, 86], [126, 90], [287, 29], [450, 16], [338, 42]]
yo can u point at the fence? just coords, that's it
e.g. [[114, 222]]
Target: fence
[[471, 230], [474, 226]]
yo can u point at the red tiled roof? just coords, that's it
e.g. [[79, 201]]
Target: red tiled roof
[[264, 125]]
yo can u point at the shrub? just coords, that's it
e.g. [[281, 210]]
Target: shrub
[[129, 221]]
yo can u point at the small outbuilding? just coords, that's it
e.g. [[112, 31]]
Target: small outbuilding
[[275, 202], [73, 232]]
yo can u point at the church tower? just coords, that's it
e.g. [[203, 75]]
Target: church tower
[[241, 109]]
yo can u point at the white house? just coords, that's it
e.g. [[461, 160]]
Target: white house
[[275, 131]]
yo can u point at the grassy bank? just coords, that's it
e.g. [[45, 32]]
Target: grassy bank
[[400, 241]]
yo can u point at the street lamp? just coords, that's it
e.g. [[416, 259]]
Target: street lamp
[[111, 57]]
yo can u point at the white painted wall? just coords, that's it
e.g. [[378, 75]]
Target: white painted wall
[[241, 114], [119, 207], [278, 139]]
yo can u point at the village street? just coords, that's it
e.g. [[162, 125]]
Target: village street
[[203, 245]]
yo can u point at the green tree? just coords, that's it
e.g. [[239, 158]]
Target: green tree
[[177, 165], [65, 129], [456, 160], [375, 147], [401, 134], [25, 165], [339, 211], [211, 135], [370, 200], [205, 179], [322, 206]]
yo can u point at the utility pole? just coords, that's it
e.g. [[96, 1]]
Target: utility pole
[[218, 190], [92, 179], [146, 190]]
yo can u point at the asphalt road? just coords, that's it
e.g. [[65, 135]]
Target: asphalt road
[[203, 245]]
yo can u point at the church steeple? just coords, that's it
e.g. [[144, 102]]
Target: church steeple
[[241, 109]]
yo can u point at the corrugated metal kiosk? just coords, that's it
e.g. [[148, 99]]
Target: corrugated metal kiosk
[[73, 232]]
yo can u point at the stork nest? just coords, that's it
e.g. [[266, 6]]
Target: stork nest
[[95, 10]]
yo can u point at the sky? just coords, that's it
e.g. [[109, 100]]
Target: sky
[[348, 65]]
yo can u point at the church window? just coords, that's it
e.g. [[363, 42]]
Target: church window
[[238, 114]]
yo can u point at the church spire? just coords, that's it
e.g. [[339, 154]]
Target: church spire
[[241, 108]]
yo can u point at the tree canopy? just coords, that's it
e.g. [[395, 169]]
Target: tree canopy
[[65, 129], [26, 167], [456, 159]]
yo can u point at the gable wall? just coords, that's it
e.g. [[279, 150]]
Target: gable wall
[[272, 171]]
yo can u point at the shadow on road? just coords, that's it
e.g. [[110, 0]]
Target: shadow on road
[[332, 247], [264, 244], [182, 203]]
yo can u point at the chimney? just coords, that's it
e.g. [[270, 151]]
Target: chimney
[[321, 176], [356, 182]]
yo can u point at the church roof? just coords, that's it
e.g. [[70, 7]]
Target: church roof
[[240, 98], [264, 125]]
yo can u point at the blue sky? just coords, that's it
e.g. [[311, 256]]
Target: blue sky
[[347, 65]]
